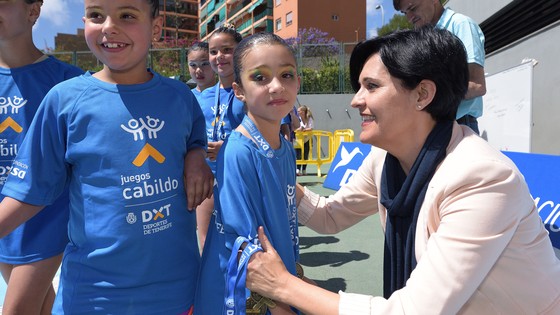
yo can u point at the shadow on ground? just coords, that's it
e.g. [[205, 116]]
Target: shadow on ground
[[333, 259], [306, 242], [333, 284]]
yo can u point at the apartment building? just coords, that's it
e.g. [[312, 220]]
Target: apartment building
[[180, 19], [343, 20], [249, 16]]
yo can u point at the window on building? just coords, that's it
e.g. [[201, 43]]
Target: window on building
[[277, 2], [278, 24], [334, 17], [289, 18]]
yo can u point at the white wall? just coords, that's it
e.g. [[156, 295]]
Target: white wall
[[478, 10], [542, 46]]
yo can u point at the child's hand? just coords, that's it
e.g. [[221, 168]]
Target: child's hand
[[199, 180], [213, 149]]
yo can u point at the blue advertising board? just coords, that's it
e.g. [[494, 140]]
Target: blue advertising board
[[542, 173], [348, 159]]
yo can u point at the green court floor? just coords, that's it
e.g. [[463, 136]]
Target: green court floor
[[351, 260]]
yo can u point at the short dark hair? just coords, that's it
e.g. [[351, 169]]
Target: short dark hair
[[155, 7], [196, 46], [33, 1], [414, 55], [397, 4], [249, 42]]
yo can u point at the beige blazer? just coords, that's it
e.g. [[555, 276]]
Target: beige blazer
[[481, 246]]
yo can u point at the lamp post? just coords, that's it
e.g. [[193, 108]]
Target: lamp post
[[380, 6]]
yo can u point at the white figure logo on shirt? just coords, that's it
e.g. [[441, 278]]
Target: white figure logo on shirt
[[136, 127], [16, 103]]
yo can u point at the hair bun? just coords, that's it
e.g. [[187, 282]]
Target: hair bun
[[230, 26]]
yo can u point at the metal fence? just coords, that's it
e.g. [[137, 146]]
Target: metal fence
[[323, 67]]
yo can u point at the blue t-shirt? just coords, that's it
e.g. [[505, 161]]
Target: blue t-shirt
[[196, 93], [21, 91], [253, 190], [220, 123], [121, 149], [473, 39]]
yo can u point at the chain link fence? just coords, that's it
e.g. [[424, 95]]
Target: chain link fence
[[323, 67]]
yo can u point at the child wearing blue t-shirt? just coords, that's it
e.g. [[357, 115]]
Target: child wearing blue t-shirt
[[31, 254], [256, 178], [199, 68], [222, 110], [126, 142]]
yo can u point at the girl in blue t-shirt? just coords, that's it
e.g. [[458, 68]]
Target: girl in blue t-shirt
[[31, 254], [222, 110], [256, 177], [199, 68], [129, 145]]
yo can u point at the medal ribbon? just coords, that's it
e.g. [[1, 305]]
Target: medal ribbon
[[257, 137], [220, 113], [236, 297]]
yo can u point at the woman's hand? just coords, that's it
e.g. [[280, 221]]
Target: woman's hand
[[266, 273], [281, 309]]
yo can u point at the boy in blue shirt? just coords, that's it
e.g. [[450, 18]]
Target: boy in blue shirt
[[31, 254], [122, 139]]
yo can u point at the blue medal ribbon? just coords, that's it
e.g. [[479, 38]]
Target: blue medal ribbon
[[236, 297], [257, 137], [220, 113]]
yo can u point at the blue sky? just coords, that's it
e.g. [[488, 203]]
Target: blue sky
[[65, 16]]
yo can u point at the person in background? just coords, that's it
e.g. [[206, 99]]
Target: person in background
[[306, 124], [462, 232], [204, 77], [130, 146], [31, 254], [289, 124], [256, 177], [199, 68], [222, 111], [432, 12]]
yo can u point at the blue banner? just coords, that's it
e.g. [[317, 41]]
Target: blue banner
[[348, 159], [542, 173]]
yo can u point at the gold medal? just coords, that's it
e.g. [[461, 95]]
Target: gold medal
[[258, 304], [299, 270]]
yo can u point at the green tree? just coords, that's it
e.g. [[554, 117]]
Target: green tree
[[313, 42], [169, 58], [397, 22]]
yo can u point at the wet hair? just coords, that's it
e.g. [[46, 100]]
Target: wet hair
[[154, 4], [196, 46], [248, 43], [228, 28], [411, 56]]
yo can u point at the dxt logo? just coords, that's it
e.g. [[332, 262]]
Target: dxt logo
[[4, 170], [156, 214]]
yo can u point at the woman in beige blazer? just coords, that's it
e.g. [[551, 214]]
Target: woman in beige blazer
[[462, 234]]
